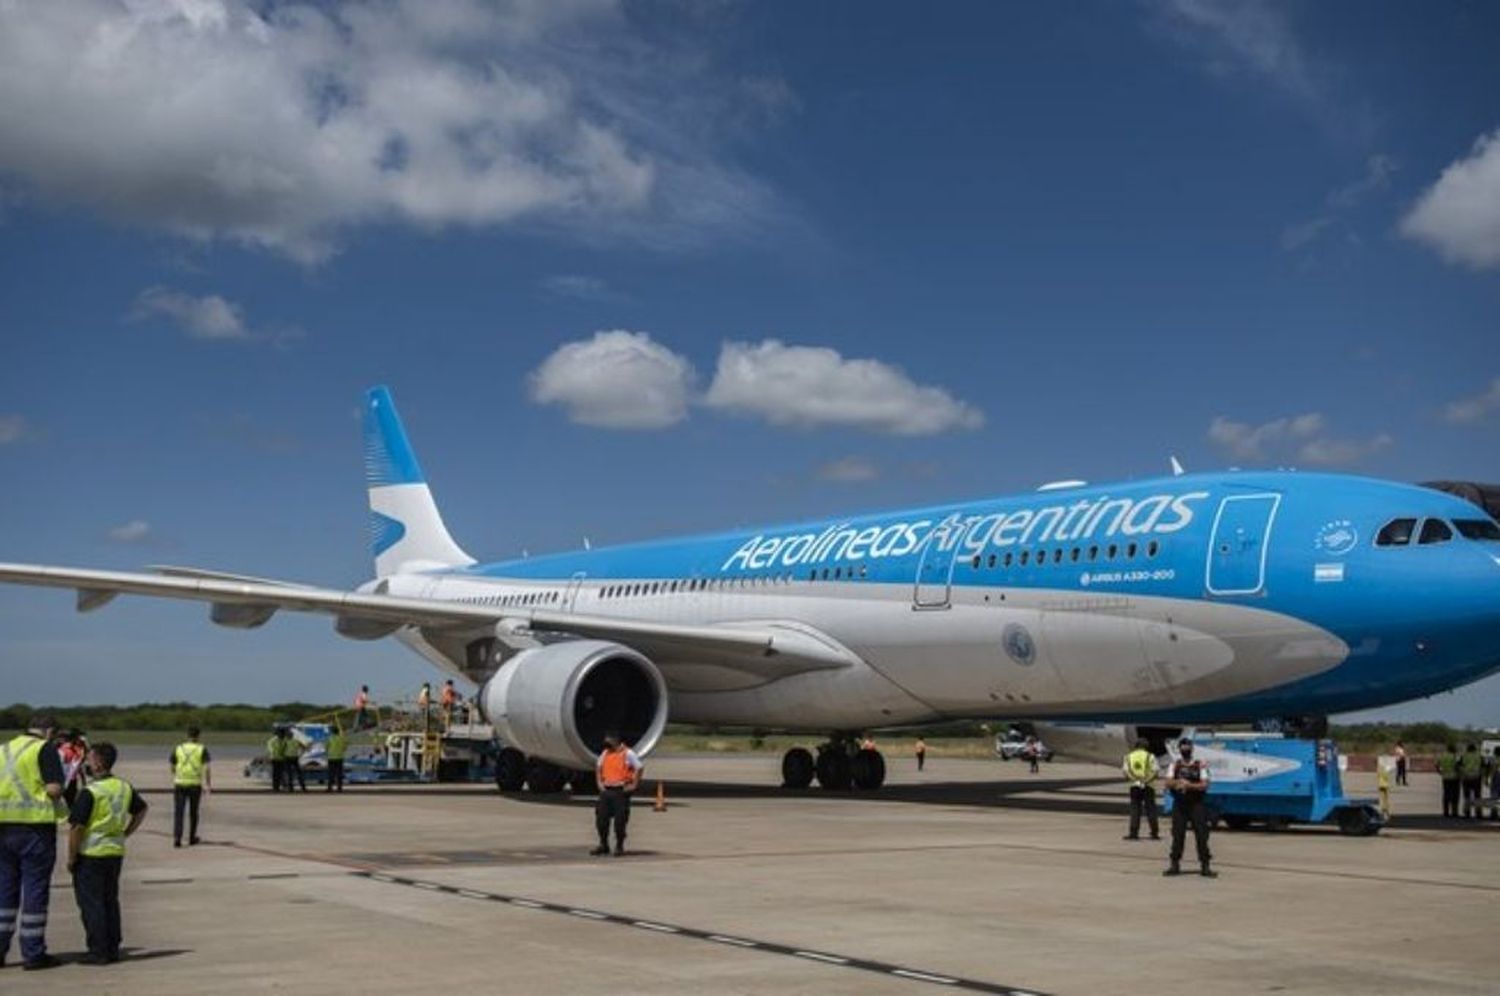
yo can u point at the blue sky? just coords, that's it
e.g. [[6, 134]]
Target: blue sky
[[642, 269]]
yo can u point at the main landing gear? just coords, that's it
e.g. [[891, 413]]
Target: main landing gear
[[515, 771], [840, 764]]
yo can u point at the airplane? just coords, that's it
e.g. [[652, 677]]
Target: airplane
[[1195, 598]]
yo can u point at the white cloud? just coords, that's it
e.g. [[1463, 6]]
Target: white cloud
[[616, 380], [283, 126], [1459, 215], [1300, 439], [1466, 411], [13, 429], [575, 285], [849, 470], [1340, 202], [1245, 38], [813, 387], [1304, 233], [1378, 171], [131, 532], [206, 317]]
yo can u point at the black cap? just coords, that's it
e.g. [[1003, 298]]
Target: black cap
[[1185, 742]]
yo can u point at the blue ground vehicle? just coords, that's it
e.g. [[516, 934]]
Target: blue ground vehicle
[[1268, 779]]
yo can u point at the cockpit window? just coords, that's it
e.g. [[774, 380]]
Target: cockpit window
[[1477, 529], [1397, 532], [1435, 531]]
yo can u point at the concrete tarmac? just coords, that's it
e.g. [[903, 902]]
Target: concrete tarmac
[[971, 876]]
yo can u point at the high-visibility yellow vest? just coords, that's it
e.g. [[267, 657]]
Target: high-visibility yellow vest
[[1471, 766], [1142, 766], [23, 794], [293, 749], [275, 749], [337, 744], [105, 835], [188, 764], [1447, 765]]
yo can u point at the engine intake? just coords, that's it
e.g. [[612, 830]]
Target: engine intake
[[557, 702]]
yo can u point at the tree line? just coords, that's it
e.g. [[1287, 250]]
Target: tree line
[[163, 716]]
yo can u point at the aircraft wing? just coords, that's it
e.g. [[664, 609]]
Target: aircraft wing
[[247, 603]]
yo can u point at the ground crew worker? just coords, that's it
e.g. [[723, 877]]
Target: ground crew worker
[[73, 749], [31, 785], [449, 700], [1447, 766], [337, 746], [1142, 771], [1187, 780], [1032, 751], [293, 754], [106, 812], [921, 753], [190, 779], [1495, 784], [361, 706], [1400, 763], [617, 774], [1471, 777], [276, 753]]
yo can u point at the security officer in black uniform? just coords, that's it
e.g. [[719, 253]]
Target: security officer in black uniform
[[1187, 780]]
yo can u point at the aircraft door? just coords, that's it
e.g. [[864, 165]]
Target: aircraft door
[[1241, 542], [571, 595], [934, 583]]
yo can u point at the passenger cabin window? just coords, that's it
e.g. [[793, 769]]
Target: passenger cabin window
[[1435, 531], [1477, 529], [1397, 532]]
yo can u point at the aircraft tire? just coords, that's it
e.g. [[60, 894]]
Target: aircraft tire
[[797, 768], [833, 770], [583, 783], [544, 777], [510, 770], [867, 768]]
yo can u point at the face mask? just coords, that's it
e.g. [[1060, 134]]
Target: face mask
[[1187, 754]]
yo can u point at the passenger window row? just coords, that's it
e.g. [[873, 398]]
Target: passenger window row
[[693, 585], [520, 598], [1058, 555]]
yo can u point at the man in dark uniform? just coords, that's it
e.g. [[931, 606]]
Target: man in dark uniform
[[1187, 780], [31, 786], [104, 814]]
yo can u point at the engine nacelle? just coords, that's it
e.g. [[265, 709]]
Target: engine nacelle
[[557, 702]]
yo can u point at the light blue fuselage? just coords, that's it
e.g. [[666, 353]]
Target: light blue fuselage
[[1198, 598]]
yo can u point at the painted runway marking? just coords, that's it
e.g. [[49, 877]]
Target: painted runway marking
[[767, 947], [648, 925], [906, 973], [818, 956]]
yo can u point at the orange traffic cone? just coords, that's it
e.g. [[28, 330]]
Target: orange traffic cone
[[661, 799]]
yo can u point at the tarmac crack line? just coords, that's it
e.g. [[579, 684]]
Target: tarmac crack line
[[768, 947]]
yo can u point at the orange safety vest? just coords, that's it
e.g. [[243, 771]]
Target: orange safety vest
[[450, 695], [614, 767]]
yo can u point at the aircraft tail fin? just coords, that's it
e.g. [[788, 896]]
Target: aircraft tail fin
[[406, 530]]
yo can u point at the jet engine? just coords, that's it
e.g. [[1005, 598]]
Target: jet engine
[[557, 701]]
